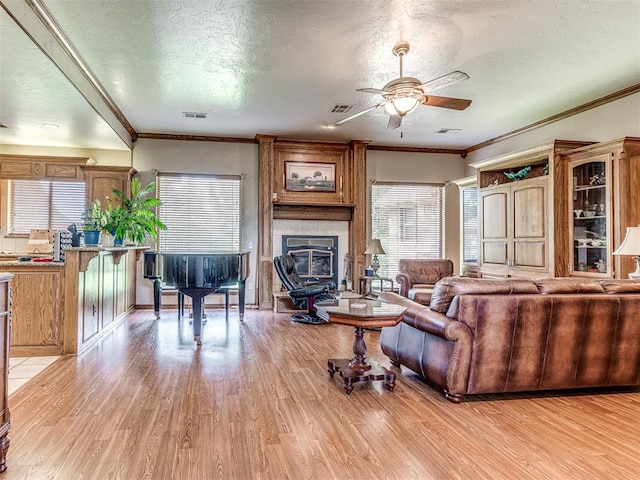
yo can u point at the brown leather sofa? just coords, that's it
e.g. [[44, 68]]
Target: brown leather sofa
[[489, 336], [417, 277]]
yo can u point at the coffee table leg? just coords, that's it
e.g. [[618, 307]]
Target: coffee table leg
[[359, 350], [390, 384], [347, 385]]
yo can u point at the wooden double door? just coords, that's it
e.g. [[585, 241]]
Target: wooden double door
[[514, 229]]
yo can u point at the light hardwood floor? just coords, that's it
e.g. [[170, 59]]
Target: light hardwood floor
[[255, 402]]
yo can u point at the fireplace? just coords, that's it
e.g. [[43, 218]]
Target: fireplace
[[316, 256]]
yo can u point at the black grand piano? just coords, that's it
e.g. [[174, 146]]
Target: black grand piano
[[197, 275]]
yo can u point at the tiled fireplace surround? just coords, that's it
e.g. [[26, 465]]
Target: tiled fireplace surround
[[338, 229]]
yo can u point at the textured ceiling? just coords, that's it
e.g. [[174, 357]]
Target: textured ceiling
[[277, 67]]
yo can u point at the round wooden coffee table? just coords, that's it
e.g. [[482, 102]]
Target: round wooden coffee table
[[360, 313]]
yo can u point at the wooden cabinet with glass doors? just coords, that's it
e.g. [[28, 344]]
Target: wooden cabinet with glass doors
[[603, 189]]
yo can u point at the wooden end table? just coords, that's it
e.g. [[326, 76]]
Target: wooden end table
[[360, 313]]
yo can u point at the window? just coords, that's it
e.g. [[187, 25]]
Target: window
[[202, 213], [469, 202], [408, 220], [44, 204]]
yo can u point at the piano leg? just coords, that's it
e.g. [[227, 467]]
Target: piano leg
[[196, 302], [241, 299], [156, 296], [197, 294]]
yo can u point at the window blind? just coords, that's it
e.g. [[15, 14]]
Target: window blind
[[470, 224], [44, 204], [202, 213], [409, 221]]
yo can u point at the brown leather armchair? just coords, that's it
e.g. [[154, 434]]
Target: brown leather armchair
[[417, 277]]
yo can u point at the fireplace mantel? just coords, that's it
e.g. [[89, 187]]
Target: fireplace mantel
[[350, 177], [313, 211]]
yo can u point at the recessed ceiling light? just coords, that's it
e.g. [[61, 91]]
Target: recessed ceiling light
[[50, 125]]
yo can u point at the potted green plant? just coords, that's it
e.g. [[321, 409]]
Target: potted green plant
[[96, 219], [134, 220]]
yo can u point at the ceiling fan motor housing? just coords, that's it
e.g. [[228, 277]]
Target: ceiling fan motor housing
[[403, 87]]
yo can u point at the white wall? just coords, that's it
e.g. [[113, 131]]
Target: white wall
[[422, 167], [607, 122], [204, 157]]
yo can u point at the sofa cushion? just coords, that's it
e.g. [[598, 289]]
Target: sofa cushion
[[564, 285], [447, 288], [620, 286], [421, 294]]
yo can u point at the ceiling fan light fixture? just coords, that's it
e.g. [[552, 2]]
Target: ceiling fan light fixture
[[401, 105]]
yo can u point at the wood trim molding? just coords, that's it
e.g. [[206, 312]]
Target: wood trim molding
[[559, 116], [43, 159], [393, 148], [195, 138]]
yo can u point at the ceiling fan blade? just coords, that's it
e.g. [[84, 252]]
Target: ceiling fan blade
[[394, 122], [377, 91], [443, 81], [446, 102], [362, 112]]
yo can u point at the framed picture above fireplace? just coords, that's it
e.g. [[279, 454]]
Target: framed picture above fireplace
[[310, 177]]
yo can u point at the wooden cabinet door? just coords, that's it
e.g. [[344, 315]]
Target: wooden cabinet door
[[495, 228], [107, 290], [88, 308], [101, 182], [530, 225], [37, 311]]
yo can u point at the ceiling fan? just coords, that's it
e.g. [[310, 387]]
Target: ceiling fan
[[403, 94]]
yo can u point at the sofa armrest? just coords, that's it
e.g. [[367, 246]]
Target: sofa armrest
[[427, 320], [405, 284], [445, 357]]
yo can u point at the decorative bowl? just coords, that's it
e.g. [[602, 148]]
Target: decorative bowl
[[583, 241], [590, 214]]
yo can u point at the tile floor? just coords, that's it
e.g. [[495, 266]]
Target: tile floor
[[22, 369]]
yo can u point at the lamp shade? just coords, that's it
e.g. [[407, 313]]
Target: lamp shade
[[631, 243], [374, 247], [401, 105]]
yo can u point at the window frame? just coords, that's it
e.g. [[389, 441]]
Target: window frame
[[199, 245], [51, 213], [389, 261]]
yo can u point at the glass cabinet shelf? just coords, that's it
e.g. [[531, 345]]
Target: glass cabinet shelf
[[590, 210]]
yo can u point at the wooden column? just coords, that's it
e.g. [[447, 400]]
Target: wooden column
[[358, 226], [264, 277]]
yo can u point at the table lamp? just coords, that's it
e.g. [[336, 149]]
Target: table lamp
[[374, 247], [631, 246]]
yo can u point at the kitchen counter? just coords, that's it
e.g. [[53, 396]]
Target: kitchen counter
[[6, 257], [61, 308], [30, 263]]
